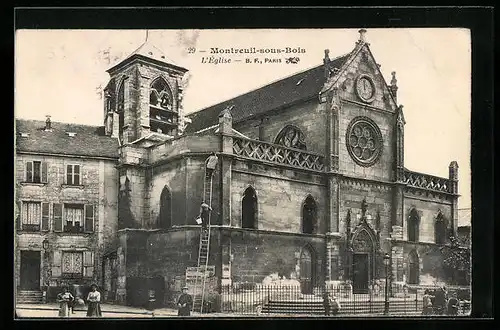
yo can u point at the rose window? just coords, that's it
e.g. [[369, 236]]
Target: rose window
[[364, 141]]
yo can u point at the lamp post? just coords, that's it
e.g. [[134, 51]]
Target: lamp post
[[45, 246], [387, 259]]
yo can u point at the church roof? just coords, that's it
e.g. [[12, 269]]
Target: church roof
[[151, 52], [147, 49], [278, 94], [64, 139]]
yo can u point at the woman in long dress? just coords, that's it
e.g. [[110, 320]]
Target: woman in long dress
[[94, 301], [64, 299]]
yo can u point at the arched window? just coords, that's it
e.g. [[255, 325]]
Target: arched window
[[309, 213], [413, 267], [413, 226], [440, 229], [165, 220], [160, 95], [120, 108], [291, 137], [249, 209]]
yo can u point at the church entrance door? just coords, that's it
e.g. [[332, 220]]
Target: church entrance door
[[360, 273]]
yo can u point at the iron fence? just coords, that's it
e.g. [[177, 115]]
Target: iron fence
[[251, 298]]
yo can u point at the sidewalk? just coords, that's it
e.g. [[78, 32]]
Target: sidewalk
[[105, 308]]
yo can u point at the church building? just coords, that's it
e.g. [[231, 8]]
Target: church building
[[309, 184]]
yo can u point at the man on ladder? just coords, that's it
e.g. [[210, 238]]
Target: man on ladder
[[205, 209]]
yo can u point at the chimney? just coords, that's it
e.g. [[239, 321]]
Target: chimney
[[394, 86], [48, 124], [362, 37]]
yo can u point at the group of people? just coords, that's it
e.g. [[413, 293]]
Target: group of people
[[67, 302], [438, 302]]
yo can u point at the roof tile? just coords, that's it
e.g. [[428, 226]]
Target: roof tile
[[272, 96], [88, 141]]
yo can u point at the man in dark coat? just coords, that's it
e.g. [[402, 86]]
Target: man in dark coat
[[185, 303], [440, 300]]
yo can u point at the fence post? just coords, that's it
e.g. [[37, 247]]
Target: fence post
[[416, 300]]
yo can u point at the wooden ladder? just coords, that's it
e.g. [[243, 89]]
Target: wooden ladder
[[204, 248]]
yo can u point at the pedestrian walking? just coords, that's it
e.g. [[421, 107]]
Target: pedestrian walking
[[440, 301], [452, 307], [94, 302], [326, 303], [65, 299], [185, 303], [426, 302], [335, 306]]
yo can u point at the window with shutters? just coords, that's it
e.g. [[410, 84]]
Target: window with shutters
[[36, 172], [72, 264], [34, 216], [73, 218], [73, 175]]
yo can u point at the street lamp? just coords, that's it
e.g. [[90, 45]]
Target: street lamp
[[45, 244], [387, 259]]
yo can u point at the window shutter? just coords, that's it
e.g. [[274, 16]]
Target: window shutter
[[76, 174], [29, 172], [45, 216], [56, 264], [18, 215], [57, 217], [88, 263], [69, 176], [44, 172], [89, 218]]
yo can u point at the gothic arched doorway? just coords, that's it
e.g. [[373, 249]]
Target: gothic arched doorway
[[413, 268], [362, 261], [307, 266]]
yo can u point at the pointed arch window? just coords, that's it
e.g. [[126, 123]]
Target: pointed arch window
[[165, 220], [249, 209], [440, 229], [413, 267], [309, 215], [413, 226], [291, 137], [160, 95], [120, 108]]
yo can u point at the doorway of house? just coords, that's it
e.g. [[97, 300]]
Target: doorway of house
[[30, 270], [360, 277]]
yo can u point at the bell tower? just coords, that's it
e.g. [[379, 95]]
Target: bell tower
[[144, 96]]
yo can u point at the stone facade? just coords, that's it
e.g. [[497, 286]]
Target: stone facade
[[329, 194], [97, 188]]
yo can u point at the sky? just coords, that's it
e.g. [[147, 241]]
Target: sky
[[62, 72]]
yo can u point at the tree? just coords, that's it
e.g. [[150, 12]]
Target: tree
[[456, 262]]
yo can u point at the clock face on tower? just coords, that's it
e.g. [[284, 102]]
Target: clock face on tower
[[365, 88]]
